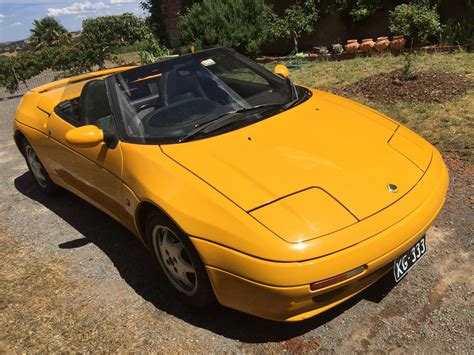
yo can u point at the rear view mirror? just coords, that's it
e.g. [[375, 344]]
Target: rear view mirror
[[281, 70], [85, 136]]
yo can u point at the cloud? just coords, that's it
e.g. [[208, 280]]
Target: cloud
[[2, 16], [115, 2], [77, 8], [16, 24]]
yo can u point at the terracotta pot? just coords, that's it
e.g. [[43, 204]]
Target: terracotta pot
[[367, 45], [352, 46], [398, 42], [381, 44]]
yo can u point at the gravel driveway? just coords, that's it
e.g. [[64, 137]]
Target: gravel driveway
[[73, 279]]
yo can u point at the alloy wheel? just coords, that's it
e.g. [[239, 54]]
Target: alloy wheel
[[35, 166], [174, 259]]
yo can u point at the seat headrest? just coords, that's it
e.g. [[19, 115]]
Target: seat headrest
[[93, 102]]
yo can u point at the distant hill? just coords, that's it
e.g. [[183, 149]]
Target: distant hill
[[13, 47]]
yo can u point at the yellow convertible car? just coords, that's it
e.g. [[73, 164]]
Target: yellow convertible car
[[275, 199]]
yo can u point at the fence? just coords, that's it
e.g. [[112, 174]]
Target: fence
[[42, 79]]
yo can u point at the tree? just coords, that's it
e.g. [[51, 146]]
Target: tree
[[7, 75], [241, 24], [155, 19], [361, 9], [299, 18], [102, 35], [18, 69], [48, 32], [152, 51], [417, 21]]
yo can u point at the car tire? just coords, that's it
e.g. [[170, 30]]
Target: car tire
[[178, 260], [37, 169]]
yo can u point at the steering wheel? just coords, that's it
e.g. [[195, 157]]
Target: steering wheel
[[177, 114]]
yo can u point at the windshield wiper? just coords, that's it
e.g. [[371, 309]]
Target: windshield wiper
[[293, 102], [247, 109], [222, 120], [294, 95]]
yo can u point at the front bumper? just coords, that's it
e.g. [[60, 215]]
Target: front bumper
[[281, 290]]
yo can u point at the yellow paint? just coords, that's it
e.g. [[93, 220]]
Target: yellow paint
[[75, 79], [293, 218], [303, 200], [85, 136], [325, 144], [408, 144]]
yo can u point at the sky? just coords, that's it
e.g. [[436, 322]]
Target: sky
[[16, 16]]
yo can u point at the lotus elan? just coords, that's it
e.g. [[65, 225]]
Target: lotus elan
[[272, 198]]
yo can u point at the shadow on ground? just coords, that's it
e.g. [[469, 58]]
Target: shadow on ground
[[139, 270]]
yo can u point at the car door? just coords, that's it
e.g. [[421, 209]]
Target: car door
[[92, 172]]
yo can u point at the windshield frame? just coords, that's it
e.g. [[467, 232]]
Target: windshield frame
[[259, 115]]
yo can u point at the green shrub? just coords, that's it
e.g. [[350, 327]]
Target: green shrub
[[69, 60], [18, 69], [337, 48], [241, 24], [7, 76], [458, 32], [135, 47], [101, 36], [417, 21], [152, 51], [361, 9], [408, 72]]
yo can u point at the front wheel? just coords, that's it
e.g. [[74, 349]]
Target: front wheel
[[178, 260], [37, 169]]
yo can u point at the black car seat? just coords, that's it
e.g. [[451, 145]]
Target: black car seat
[[180, 84], [94, 107]]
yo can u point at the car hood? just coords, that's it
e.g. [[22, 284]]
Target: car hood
[[326, 143]]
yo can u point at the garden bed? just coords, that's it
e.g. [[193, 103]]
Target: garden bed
[[426, 86]]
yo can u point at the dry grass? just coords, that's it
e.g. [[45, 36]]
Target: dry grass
[[331, 75], [44, 309], [448, 124]]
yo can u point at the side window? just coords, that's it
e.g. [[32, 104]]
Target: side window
[[68, 110], [91, 108], [94, 105]]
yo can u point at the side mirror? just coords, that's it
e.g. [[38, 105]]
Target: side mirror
[[281, 70], [85, 136]]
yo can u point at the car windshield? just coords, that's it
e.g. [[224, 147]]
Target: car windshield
[[167, 101]]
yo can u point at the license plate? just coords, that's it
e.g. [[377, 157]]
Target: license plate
[[406, 261]]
